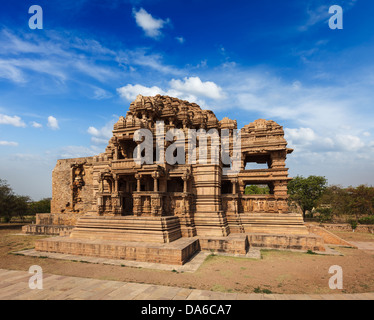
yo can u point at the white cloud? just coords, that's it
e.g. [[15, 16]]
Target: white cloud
[[180, 39], [59, 56], [320, 14], [70, 152], [349, 142], [301, 135], [129, 92], [10, 72], [36, 124], [191, 89], [315, 16], [8, 143], [53, 123], [14, 121], [101, 94], [101, 136], [306, 140], [195, 86], [151, 26]]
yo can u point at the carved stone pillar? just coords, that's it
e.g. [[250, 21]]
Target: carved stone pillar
[[138, 177], [234, 183], [185, 178], [278, 159], [155, 176], [116, 178], [242, 187], [116, 150]]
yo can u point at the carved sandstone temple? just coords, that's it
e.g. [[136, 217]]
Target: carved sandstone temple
[[110, 206]]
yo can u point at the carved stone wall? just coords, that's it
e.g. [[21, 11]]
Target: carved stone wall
[[72, 190]]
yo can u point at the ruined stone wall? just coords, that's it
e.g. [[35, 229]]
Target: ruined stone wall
[[72, 186]]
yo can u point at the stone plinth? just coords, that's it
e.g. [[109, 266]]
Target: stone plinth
[[128, 228], [53, 224], [233, 244], [282, 241], [52, 230], [273, 223], [177, 252]]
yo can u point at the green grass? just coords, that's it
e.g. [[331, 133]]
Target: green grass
[[310, 252], [221, 288], [264, 291]]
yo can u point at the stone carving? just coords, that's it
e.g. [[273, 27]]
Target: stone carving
[[77, 184]]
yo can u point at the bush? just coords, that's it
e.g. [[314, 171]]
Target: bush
[[353, 223], [366, 220], [5, 219], [325, 215]]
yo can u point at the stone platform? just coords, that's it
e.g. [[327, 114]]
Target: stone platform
[[288, 242], [51, 230], [128, 228], [158, 239], [233, 244], [273, 223], [178, 252]]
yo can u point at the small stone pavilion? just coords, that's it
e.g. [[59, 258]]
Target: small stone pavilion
[[112, 206]]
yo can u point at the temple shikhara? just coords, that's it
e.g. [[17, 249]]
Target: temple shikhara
[[112, 206]]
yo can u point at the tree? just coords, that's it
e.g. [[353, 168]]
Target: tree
[[6, 194], [361, 202], [253, 189], [18, 206], [337, 199], [10, 203], [42, 206], [306, 191]]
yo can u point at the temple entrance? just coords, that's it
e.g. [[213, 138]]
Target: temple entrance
[[126, 186]]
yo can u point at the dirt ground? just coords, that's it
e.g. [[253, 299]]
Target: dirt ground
[[355, 236], [277, 271]]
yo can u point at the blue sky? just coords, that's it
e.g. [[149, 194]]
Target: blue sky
[[63, 87]]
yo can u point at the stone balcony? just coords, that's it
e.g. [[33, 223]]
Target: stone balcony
[[264, 174], [126, 164]]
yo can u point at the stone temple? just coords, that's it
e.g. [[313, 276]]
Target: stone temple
[[111, 206]]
